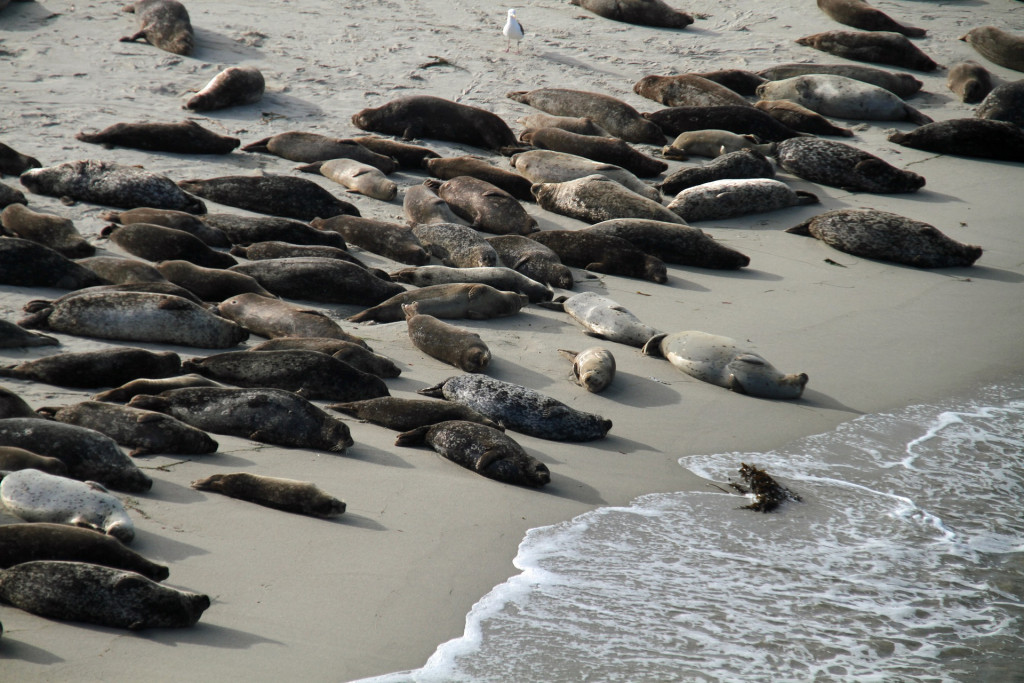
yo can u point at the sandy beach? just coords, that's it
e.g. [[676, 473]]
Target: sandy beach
[[379, 588]]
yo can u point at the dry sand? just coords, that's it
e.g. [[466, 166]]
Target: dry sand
[[378, 590]]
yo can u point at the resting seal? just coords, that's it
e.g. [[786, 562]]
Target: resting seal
[[447, 343], [21, 543], [604, 319], [722, 361], [425, 116], [721, 199], [843, 97], [881, 47], [799, 117], [601, 253], [16, 337], [1004, 103], [403, 414], [273, 318], [595, 198], [352, 353], [157, 243], [982, 138], [235, 86], [456, 245], [410, 157], [844, 166], [900, 84], [251, 229], [859, 14], [604, 150], [355, 176], [455, 300], [56, 232], [164, 24], [13, 162], [641, 12], [998, 46], [733, 118], [290, 495], [743, 163], [532, 259], [614, 115], [186, 137], [452, 167], [686, 90], [547, 166], [712, 143], [145, 385], [501, 278], [487, 207], [263, 251], [179, 220], [210, 284], [593, 368], [969, 81], [673, 243], [421, 205], [310, 148], [396, 242], [582, 125], [276, 195], [102, 368], [325, 280]]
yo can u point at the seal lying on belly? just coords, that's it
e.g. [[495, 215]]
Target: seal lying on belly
[[640, 12], [21, 543], [290, 495], [185, 137], [722, 361], [403, 414], [425, 116], [682, 244], [982, 138]]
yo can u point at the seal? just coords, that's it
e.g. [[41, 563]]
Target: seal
[[687, 90], [262, 251], [391, 240], [844, 166], [310, 374], [843, 97], [13, 162], [612, 114], [277, 195], [37, 496], [290, 495], [859, 14], [546, 166], [146, 385], [722, 361], [743, 163], [733, 118], [13, 458], [712, 143], [92, 593], [235, 86], [185, 137], [164, 24], [672, 243], [273, 416], [602, 254], [640, 12], [739, 81], [1004, 103], [447, 343], [731, 198], [309, 148], [592, 368], [272, 318], [482, 449], [969, 81], [56, 232], [900, 84], [252, 229], [179, 220], [604, 319], [24, 263], [799, 117], [157, 243], [532, 259], [595, 198], [103, 368], [880, 47], [409, 157], [456, 300], [112, 184], [21, 543], [499, 277], [355, 355], [421, 205], [121, 270], [15, 337], [320, 279], [355, 176], [456, 245], [403, 414], [10, 195], [997, 46], [888, 237], [521, 409], [452, 167], [582, 125], [487, 207], [144, 431], [983, 138], [12, 405], [210, 284], [138, 316], [605, 150], [426, 116]]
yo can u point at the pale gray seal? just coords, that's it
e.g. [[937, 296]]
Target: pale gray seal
[[252, 229], [604, 319], [604, 150], [157, 243], [982, 138], [548, 166], [456, 245], [277, 195], [969, 81], [145, 385], [799, 117], [79, 591], [743, 163], [730, 198], [235, 86], [712, 143], [595, 198], [521, 409], [880, 47], [724, 362], [532, 259], [672, 243], [455, 300], [355, 176], [900, 84], [25, 263], [179, 220], [102, 368], [36, 496], [21, 543], [16, 337], [487, 207], [482, 449], [843, 97], [998, 46], [164, 24], [210, 284], [641, 12], [310, 148], [612, 114], [888, 237], [396, 242], [593, 368], [403, 414], [500, 277], [185, 137], [358, 356], [56, 232], [290, 495], [421, 205], [841, 165], [731, 117], [447, 343], [859, 14], [448, 168], [601, 253], [425, 116], [273, 318], [320, 279], [1004, 103], [686, 90]]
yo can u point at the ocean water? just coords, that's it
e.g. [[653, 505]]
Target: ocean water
[[904, 561]]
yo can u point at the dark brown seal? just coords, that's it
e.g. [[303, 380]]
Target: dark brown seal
[[103, 368], [974, 137], [320, 279], [126, 391], [13, 162], [602, 253], [859, 14], [312, 147], [272, 318], [425, 116], [403, 414], [840, 165], [12, 405], [735, 119], [290, 495], [596, 198], [186, 137], [969, 81], [251, 229], [56, 232], [448, 168], [209, 284], [276, 195], [157, 243], [235, 86], [640, 12], [409, 157], [422, 205], [487, 207], [13, 458], [10, 195], [743, 163], [672, 243], [1004, 103], [25, 263], [121, 270], [356, 355], [392, 240], [739, 81], [21, 543], [612, 114], [880, 47], [532, 259], [799, 117], [606, 150], [261, 251], [15, 337], [449, 344], [179, 220], [164, 24]]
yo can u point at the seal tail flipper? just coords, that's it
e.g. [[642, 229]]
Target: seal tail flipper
[[570, 355], [258, 146], [310, 168], [801, 228], [554, 305], [434, 391], [653, 346], [914, 116], [413, 437], [806, 198], [488, 458]]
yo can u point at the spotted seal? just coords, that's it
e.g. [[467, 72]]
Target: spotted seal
[[712, 143], [356, 177], [880, 47], [421, 205], [164, 24], [721, 199], [56, 232], [482, 449], [277, 195], [859, 14], [672, 243], [10, 195], [179, 220], [500, 277], [641, 12], [80, 591], [456, 245], [487, 207], [210, 284], [310, 148], [722, 361], [396, 242], [320, 279], [246, 230], [146, 385], [13, 162], [888, 237], [582, 125], [799, 117], [521, 409], [532, 259], [842, 97], [743, 163], [157, 243], [604, 319], [273, 318], [612, 114], [455, 300], [969, 81], [595, 198], [46, 541], [13, 405], [686, 90], [841, 165], [1004, 103], [982, 138], [16, 337], [448, 168], [602, 253], [235, 86], [593, 368], [548, 166], [604, 150], [998, 46], [103, 368], [447, 343], [13, 458], [403, 414], [733, 118], [355, 355], [900, 84], [426, 116], [184, 137], [290, 495]]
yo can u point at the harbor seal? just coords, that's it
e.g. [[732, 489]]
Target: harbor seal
[[277, 195], [246, 230], [157, 243], [112, 184], [603, 318], [179, 220], [394, 241], [10, 195], [888, 237], [969, 81], [290, 495], [325, 280], [859, 14], [686, 90], [482, 449], [16, 337], [272, 416], [740, 81], [799, 117], [210, 284], [146, 385], [998, 46], [487, 207], [595, 198], [521, 409], [13, 458], [24, 263], [13, 162], [403, 414], [722, 199], [21, 543], [712, 143], [604, 150], [164, 24], [448, 168], [56, 232], [844, 166], [409, 157], [36, 496], [263, 251], [601, 253], [185, 137], [672, 243], [593, 368], [92, 593], [273, 318], [1004, 103], [121, 270], [447, 343], [103, 368], [426, 116], [455, 300], [640, 12], [900, 84], [309, 148], [880, 47], [354, 354], [583, 125], [235, 86], [421, 205], [500, 277], [743, 163], [983, 138], [845, 98], [532, 259], [355, 176], [458, 246], [12, 405], [722, 361], [612, 114], [547, 166], [733, 118]]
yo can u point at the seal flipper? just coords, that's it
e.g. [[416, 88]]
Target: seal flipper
[[258, 146], [915, 116], [653, 346], [801, 228], [488, 458], [435, 391], [413, 437], [804, 197]]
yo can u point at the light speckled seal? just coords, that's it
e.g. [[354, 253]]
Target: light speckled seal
[[731, 198], [233, 87], [21, 543], [482, 449], [40, 497], [888, 237], [900, 84], [532, 259], [605, 319], [603, 150], [450, 344], [640, 12], [521, 409], [548, 166], [356, 355], [686, 90], [458, 246], [843, 97], [164, 24], [595, 198], [593, 368], [290, 495], [723, 362], [79, 591], [982, 138], [840, 165]]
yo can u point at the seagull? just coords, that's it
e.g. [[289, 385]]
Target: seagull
[[513, 31]]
